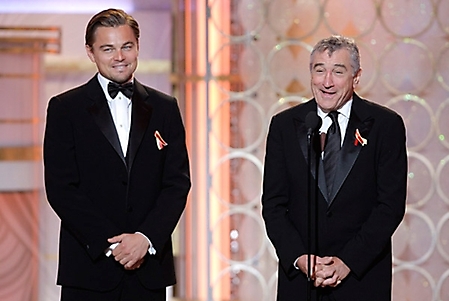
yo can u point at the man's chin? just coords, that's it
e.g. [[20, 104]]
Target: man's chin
[[121, 78], [326, 105]]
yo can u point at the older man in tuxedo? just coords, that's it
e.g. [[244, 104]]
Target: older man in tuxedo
[[360, 172], [116, 173]]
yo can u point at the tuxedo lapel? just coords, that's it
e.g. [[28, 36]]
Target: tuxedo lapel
[[99, 110], [141, 115], [350, 150], [301, 134]]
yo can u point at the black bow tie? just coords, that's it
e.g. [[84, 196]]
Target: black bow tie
[[126, 89]]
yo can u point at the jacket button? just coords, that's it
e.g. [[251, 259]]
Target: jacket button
[[129, 209], [329, 214]]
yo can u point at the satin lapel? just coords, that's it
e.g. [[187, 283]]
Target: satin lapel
[[350, 151], [301, 134], [141, 115], [102, 116]]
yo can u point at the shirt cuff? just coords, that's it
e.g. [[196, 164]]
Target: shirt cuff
[[295, 265], [151, 249], [111, 248]]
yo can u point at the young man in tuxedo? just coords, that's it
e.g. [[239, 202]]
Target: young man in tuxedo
[[360, 170], [116, 173]]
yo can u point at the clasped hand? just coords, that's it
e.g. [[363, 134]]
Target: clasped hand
[[328, 271], [131, 250]]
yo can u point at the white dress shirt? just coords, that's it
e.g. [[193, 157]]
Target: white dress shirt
[[343, 119], [120, 107]]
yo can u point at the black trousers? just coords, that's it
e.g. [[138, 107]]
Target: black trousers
[[130, 289], [325, 295]]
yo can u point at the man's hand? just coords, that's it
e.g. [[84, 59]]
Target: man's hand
[[301, 263], [332, 273], [326, 271], [131, 250]]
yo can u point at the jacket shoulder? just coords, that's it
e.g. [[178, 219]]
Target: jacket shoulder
[[296, 110], [156, 95], [78, 93], [373, 108]]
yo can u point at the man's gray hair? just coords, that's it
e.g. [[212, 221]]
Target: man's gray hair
[[335, 43]]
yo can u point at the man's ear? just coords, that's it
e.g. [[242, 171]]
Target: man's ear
[[356, 79], [90, 53]]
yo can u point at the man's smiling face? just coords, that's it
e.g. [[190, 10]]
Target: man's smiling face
[[332, 79], [115, 52]]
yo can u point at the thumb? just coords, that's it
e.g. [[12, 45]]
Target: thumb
[[325, 260], [115, 239]]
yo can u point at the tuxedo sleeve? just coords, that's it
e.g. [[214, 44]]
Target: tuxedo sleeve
[[374, 236], [62, 183], [275, 200]]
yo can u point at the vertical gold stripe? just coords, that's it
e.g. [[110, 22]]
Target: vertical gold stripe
[[21, 153]]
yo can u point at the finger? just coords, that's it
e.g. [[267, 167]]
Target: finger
[[325, 260], [131, 264], [325, 273], [318, 281], [118, 253], [335, 284], [333, 281], [135, 266], [114, 239]]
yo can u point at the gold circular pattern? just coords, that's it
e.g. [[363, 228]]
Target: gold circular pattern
[[399, 75], [407, 18]]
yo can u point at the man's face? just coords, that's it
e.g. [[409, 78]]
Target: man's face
[[115, 51], [332, 79]]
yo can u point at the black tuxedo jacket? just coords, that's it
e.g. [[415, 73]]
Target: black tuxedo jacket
[[98, 193], [357, 221]]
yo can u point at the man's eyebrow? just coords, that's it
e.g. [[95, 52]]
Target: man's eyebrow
[[112, 46], [340, 65], [335, 65], [106, 46]]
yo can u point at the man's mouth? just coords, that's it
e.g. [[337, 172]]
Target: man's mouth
[[120, 67], [328, 93]]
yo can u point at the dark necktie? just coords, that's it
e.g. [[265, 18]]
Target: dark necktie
[[126, 89], [331, 151]]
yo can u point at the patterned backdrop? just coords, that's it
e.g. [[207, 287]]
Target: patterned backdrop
[[405, 61], [265, 46]]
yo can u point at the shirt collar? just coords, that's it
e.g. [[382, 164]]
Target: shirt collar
[[345, 110]]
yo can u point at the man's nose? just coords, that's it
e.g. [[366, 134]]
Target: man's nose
[[119, 55], [328, 81]]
